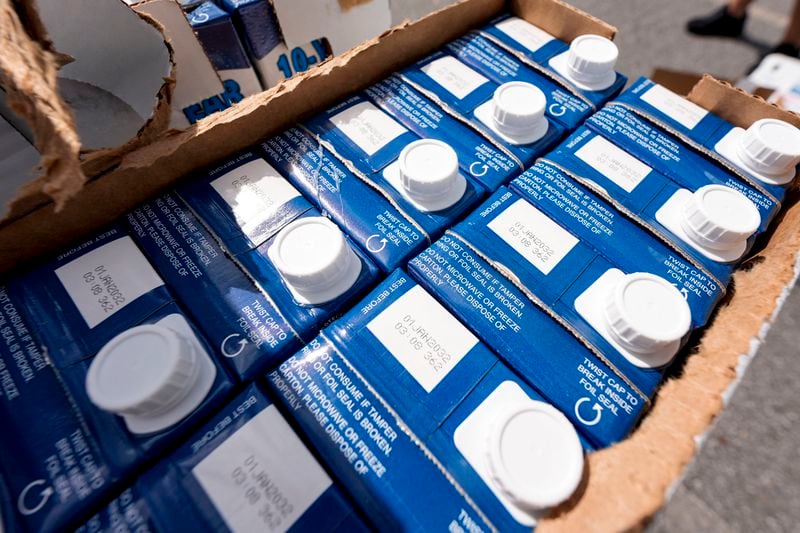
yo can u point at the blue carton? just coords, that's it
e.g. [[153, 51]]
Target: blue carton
[[603, 404], [243, 200], [248, 332], [672, 158], [257, 26], [625, 243], [89, 294], [389, 234], [69, 453], [244, 470], [483, 161], [550, 56], [718, 139], [427, 177], [518, 35], [215, 31], [436, 375], [468, 79], [710, 221], [8, 510], [571, 281], [371, 451]]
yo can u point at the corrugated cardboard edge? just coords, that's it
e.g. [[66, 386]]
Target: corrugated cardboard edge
[[558, 19], [28, 70], [630, 481]]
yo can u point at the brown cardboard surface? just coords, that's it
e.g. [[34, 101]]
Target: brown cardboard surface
[[735, 105], [626, 483], [28, 69]]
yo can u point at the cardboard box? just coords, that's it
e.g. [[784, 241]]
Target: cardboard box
[[637, 472]]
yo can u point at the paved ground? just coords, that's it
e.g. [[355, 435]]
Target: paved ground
[[747, 475]]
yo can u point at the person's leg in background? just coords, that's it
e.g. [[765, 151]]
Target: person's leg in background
[[790, 44], [729, 20]]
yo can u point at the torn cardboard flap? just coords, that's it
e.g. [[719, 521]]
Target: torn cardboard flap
[[118, 66], [28, 70], [104, 77]]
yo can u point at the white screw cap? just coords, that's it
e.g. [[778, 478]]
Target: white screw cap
[[591, 60], [647, 316], [315, 260], [718, 217], [429, 174], [518, 111], [535, 456], [142, 372], [771, 147]]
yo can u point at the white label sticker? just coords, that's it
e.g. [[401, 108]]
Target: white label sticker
[[455, 76], [471, 438], [613, 162], [423, 336], [534, 235], [262, 478], [367, 126], [525, 33], [105, 280], [674, 106], [255, 191]]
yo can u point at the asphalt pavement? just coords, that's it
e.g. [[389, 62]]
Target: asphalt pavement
[[746, 476]]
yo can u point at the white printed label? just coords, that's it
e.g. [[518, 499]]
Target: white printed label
[[534, 235], [614, 163], [262, 478], [368, 127], [105, 280], [254, 191], [423, 336], [471, 439], [455, 76], [525, 33], [674, 106]]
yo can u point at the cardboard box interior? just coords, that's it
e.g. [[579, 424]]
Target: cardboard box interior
[[628, 482]]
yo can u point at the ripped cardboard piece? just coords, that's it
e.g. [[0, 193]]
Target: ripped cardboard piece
[[34, 75], [28, 71]]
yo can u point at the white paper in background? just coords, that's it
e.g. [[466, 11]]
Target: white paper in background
[[18, 158], [120, 65], [302, 21], [195, 77]]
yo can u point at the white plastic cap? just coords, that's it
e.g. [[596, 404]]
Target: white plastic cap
[[315, 260], [518, 111], [648, 317], [429, 174], [720, 218], [591, 60], [771, 147], [535, 457], [142, 373]]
